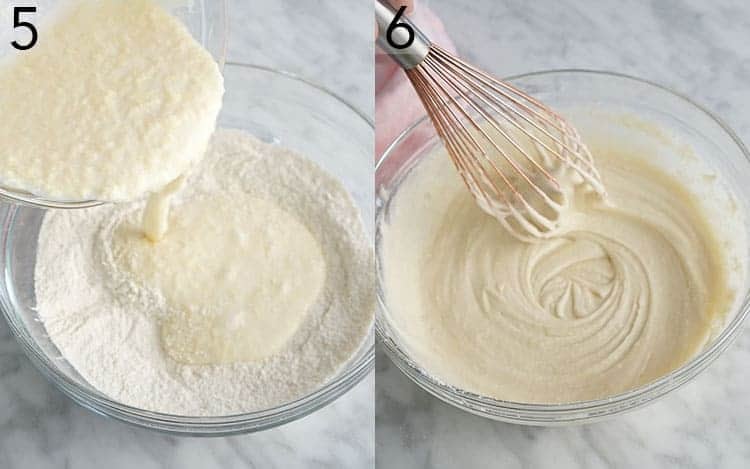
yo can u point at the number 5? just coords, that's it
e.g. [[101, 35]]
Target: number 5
[[17, 23]]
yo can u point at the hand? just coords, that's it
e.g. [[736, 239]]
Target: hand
[[396, 103], [409, 4]]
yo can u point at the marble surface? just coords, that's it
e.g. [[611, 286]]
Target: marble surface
[[40, 428], [698, 48]]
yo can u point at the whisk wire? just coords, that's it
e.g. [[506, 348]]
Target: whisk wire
[[444, 105], [427, 70], [466, 94], [506, 91], [446, 128], [508, 147], [460, 131], [446, 111]]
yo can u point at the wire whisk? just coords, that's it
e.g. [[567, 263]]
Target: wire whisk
[[519, 158]]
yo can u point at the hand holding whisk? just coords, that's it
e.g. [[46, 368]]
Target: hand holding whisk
[[514, 154]]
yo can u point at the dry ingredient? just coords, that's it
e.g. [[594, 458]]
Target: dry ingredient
[[261, 291]]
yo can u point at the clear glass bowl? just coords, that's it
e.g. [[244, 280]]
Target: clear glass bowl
[[206, 20], [560, 89], [276, 107]]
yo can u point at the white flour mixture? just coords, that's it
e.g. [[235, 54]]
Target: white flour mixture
[[260, 292]]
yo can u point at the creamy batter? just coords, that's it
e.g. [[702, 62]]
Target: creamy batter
[[240, 281], [116, 100], [629, 291]]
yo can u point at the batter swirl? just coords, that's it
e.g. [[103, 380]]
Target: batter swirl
[[628, 293]]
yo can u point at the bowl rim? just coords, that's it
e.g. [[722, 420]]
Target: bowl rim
[[226, 425], [564, 413]]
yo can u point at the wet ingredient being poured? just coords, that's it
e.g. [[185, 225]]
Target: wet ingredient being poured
[[115, 101]]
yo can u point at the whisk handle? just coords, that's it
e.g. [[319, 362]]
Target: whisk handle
[[402, 33]]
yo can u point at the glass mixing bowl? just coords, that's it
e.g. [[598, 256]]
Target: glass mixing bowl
[[206, 20], [562, 89], [276, 107]]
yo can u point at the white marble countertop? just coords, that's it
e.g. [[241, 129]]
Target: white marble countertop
[[696, 47], [41, 428]]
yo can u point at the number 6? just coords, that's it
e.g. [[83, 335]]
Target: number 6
[[395, 24]]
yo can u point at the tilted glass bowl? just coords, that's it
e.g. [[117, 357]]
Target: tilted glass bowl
[[206, 20], [560, 89], [276, 107]]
